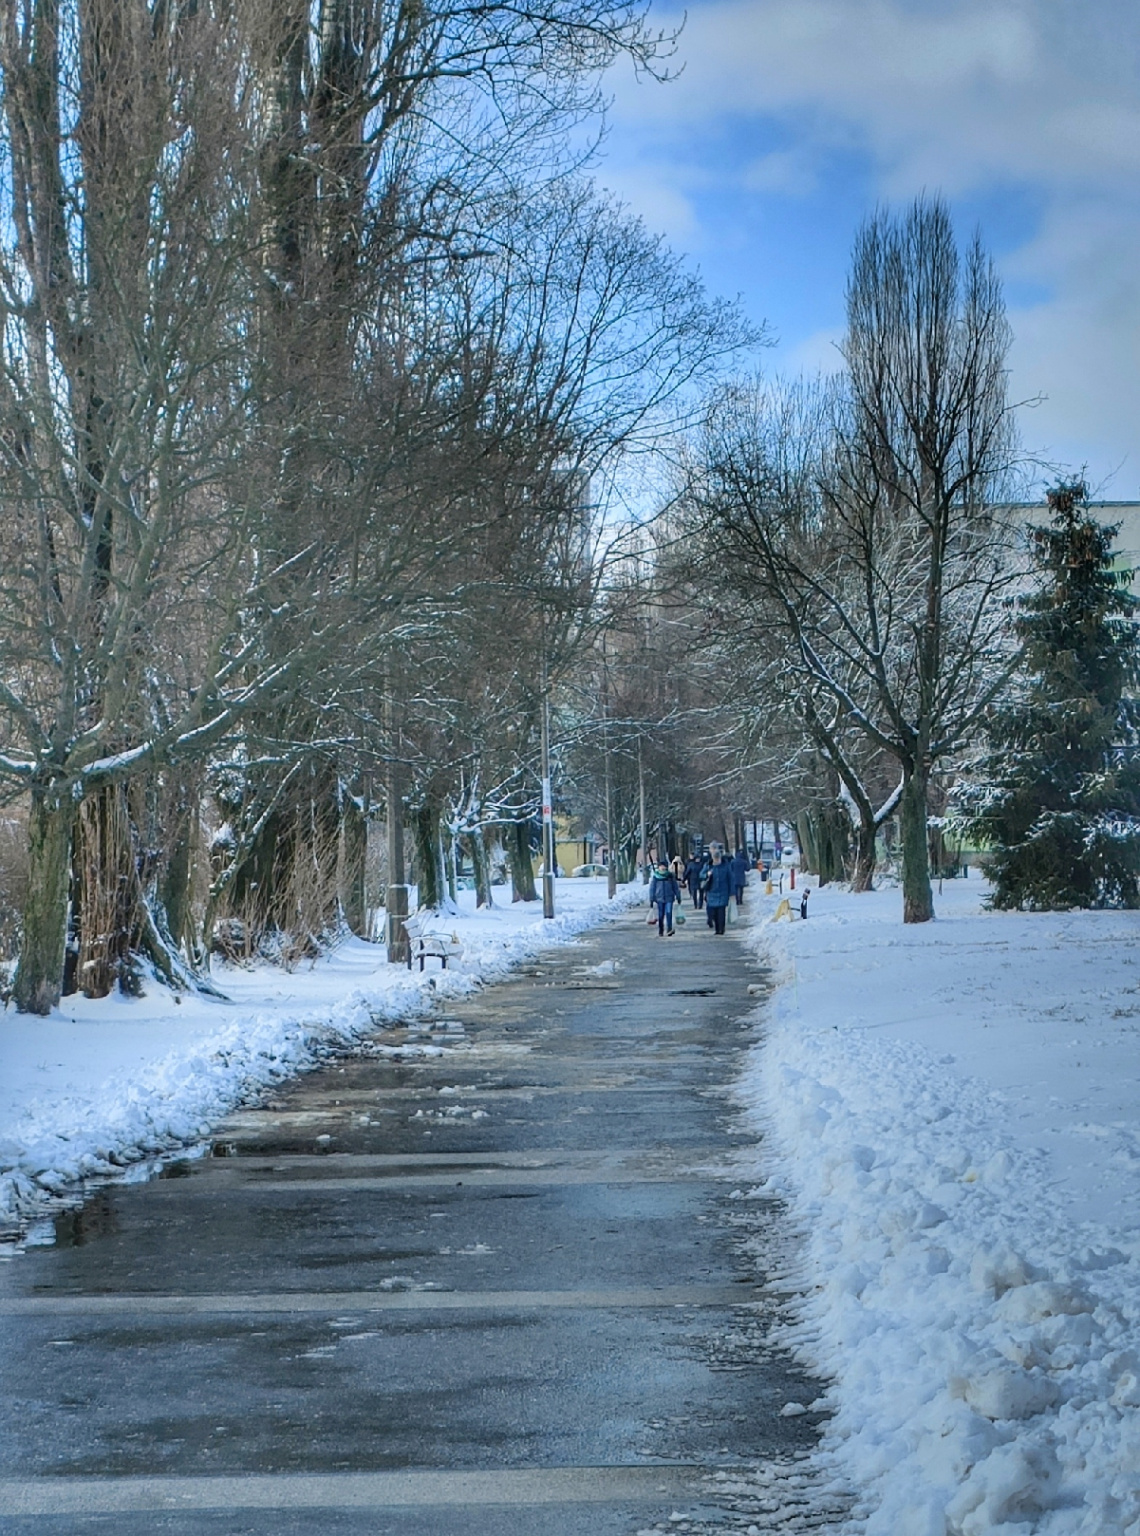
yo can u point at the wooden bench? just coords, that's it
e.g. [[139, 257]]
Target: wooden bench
[[427, 943]]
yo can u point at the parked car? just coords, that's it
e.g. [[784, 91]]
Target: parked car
[[588, 870]]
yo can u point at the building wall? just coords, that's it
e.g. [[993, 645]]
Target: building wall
[[1125, 513]]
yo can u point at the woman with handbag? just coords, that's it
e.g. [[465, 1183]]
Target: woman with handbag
[[663, 893]]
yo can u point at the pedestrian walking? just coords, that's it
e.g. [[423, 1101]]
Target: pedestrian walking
[[664, 892], [718, 890], [803, 903], [693, 879], [739, 875], [677, 868], [703, 878]]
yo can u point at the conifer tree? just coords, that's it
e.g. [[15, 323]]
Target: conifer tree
[[1061, 812]]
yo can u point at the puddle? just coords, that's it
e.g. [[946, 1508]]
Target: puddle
[[266, 1146], [181, 1168], [95, 1218]]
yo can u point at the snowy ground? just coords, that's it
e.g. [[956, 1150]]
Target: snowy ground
[[98, 1086], [955, 1113], [952, 1112]]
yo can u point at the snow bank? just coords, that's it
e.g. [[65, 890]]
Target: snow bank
[[954, 1113], [101, 1085]]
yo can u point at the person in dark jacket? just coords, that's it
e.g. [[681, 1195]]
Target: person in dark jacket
[[693, 879], [718, 890], [739, 875], [663, 893]]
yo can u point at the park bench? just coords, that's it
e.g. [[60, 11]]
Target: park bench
[[427, 943]]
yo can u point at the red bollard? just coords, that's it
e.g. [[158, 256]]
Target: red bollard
[[793, 877]]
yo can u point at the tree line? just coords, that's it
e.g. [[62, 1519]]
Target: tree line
[[902, 639], [316, 347], [328, 389]]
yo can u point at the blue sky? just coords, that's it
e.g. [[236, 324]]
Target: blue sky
[[792, 119]]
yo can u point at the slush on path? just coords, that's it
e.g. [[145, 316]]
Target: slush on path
[[494, 1290]]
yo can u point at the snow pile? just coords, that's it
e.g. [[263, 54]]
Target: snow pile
[[101, 1085], [954, 1111]]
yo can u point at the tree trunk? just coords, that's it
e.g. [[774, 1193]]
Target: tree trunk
[[481, 862], [39, 975], [833, 839], [449, 853], [918, 902], [809, 854], [353, 853], [522, 869], [825, 845], [106, 897], [176, 888], [429, 855], [863, 871]]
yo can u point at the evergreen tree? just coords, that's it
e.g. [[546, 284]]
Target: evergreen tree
[[1061, 810]]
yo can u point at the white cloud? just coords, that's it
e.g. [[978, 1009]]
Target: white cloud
[[792, 172], [817, 353], [665, 207], [1078, 347], [1009, 90], [966, 97]]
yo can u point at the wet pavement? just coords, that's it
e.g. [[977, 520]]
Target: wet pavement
[[486, 1276]]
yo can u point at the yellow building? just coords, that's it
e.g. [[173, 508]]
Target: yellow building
[[570, 852]]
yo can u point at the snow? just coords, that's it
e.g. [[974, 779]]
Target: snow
[[101, 1085], [951, 1112]]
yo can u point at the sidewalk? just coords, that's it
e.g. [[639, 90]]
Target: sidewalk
[[497, 1292], [956, 1113], [98, 1086]]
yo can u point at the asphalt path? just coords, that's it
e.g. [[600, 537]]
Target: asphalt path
[[489, 1276]]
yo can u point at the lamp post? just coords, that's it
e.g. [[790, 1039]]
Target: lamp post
[[611, 868], [643, 852], [547, 803], [396, 895]]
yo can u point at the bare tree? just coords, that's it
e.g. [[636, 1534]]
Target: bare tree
[[881, 556], [756, 520], [121, 414], [201, 198], [925, 453]]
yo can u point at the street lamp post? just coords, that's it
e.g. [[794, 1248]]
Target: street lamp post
[[396, 896], [643, 851], [547, 805], [611, 867]]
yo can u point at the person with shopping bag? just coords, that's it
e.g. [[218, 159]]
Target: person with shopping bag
[[664, 893]]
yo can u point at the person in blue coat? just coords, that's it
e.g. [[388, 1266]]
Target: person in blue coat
[[718, 890], [739, 875], [664, 892]]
